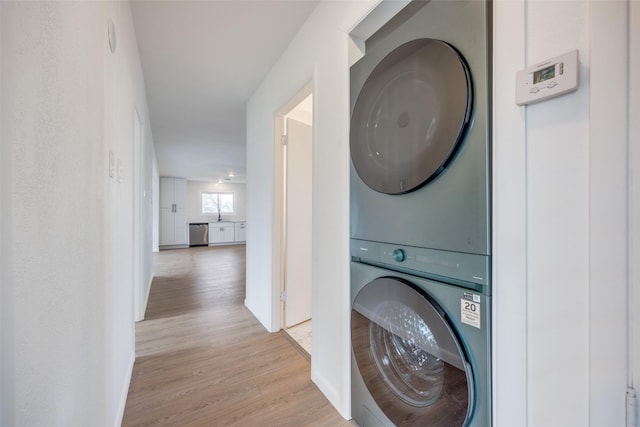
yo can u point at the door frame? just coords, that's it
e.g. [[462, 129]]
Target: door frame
[[279, 210], [634, 210], [138, 228]]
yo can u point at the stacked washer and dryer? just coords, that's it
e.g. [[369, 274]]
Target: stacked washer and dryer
[[420, 219]]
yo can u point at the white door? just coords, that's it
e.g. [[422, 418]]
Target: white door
[[298, 223]]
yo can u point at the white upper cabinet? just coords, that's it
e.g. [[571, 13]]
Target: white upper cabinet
[[173, 191]]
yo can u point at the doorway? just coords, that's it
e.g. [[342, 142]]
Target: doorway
[[295, 281]]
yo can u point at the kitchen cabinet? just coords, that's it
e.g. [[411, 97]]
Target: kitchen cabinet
[[173, 211], [240, 231], [221, 232]]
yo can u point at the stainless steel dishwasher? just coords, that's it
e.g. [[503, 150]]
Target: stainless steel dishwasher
[[199, 234]]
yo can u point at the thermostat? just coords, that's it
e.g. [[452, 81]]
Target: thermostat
[[547, 79]]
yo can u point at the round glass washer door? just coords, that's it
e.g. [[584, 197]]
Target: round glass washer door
[[409, 357], [410, 116]]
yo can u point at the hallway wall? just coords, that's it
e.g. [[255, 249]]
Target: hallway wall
[[67, 250]]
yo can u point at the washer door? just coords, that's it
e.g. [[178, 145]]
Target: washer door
[[409, 357], [410, 116]]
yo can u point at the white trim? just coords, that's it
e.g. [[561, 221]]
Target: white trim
[[136, 182], [146, 298], [2, 376], [608, 211], [329, 392], [509, 220], [279, 212], [277, 242], [634, 199], [125, 391], [7, 395], [379, 14]]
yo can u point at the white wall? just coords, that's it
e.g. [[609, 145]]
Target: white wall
[[67, 326], [194, 200], [560, 206], [560, 209], [318, 53]]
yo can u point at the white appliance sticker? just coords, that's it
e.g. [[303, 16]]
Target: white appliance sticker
[[470, 312]]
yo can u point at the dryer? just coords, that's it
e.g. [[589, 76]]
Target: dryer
[[419, 136]]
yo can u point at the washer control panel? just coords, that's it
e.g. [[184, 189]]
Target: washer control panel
[[424, 262], [547, 79]]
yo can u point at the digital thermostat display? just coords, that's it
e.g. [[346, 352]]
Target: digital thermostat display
[[544, 74], [547, 79]]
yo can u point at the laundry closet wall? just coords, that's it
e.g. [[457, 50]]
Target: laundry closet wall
[[560, 218]]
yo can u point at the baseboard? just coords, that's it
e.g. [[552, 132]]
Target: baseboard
[[234, 243], [125, 391], [253, 313], [165, 247], [146, 297], [332, 395]]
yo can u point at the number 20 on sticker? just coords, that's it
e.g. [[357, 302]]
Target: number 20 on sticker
[[470, 306], [470, 313]]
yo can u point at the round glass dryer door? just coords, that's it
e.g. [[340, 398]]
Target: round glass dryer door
[[410, 116], [409, 357]]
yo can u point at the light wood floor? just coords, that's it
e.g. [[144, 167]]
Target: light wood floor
[[202, 359]]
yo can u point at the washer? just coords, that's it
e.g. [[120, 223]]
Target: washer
[[420, 350], [420, 130]]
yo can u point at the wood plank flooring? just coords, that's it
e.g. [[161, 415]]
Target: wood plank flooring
[[202, 359]]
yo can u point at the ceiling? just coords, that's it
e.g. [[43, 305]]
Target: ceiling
[[201, 61]]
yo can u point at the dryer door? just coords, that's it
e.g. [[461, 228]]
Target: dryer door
[[409, 356], [410, 116]]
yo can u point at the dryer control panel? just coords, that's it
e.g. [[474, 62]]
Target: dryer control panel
[[547, 79]]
